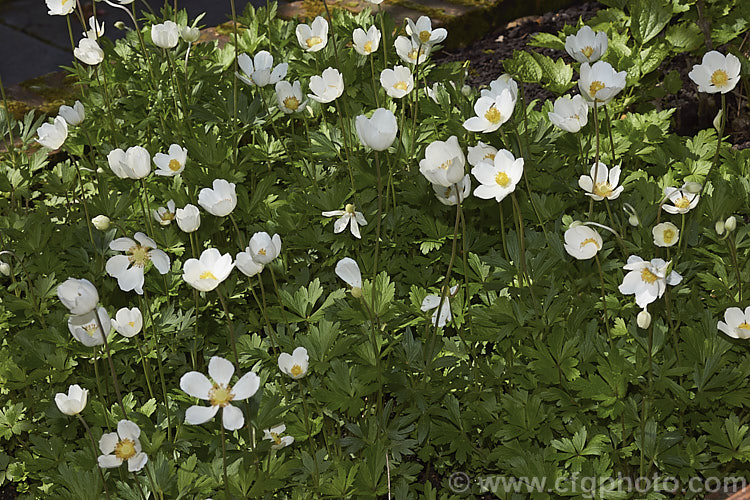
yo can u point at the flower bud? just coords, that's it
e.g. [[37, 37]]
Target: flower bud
[[79, 296], [119, 25], [5, 268], [693, 187], [466, 91], [719, 226], [189, 34], [633, 221], [717, 120], [643, 319], [632, 215], [730, 224], [73, 402], [357, 292], [101, 222]]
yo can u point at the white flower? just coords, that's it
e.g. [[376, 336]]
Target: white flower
[[274, 434], [164, 216], [313, 38], [129, 268], [60, 7], [218, 393], [421, 32], [327, 87], [647, 280], [682, 200], [78, 295], [295, 365], [219, 201], [717, 73], [455, 193], [245, 263], [665, 234], [209, 271], [411, 52], [53, 135], [365, 43], [375, 2], [85, 327], [737, 323], [600, 83], [605, 185], [569, 114], [633, 219], [101, 222], [89, 51], [135, 163], [172, 163], [122, 445], [397, 82], [73, 115], [5, 268], [128, 322], [586, 46], [643, 320], [582, 242], [498, 179], [73, 402], [347, 216], [379, 131], [96, 31], [190, 34], [289, 97], [260, 71], [188, 218], [491, 113], [433, 302], [165, 35], [348, 270], [499, 84], [481, 153], [444, 162], [264, 248]]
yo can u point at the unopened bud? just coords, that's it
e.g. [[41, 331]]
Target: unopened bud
[[643, 319], [717, 120], [189, 34], [693, 187], [719, 226], [633, 221], [357, 292], [466, 90], [119, 25], [101, 222], [5, 268], [632, 215], [730, 224]]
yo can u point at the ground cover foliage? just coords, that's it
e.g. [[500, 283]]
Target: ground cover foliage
[[482, 337]]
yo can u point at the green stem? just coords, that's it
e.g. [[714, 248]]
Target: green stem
[[147, 305], [309, 437], [224, 457], [96, 452], [604, 303], [146, 368], [230, 325], [111, 364], [609, 131]]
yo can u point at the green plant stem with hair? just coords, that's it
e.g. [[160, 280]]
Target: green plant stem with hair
[[240, 239], [309, 436], [111, 364], [224, 459], [375, 86], [146, 304], [377, 233], [526, 153], [522, 249], [345, 136], [230, 325], [596, 158], [502, 232], [278, 297], [604, 303], [146, 209], [146, 368], [94, 447], [609, 132], [102, 396], [154, 488], [736, 265]]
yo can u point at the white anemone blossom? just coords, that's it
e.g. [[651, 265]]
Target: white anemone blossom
[[433, 302], [736, 323], [121, 446], [586, 46], [347, 217], [602, 183], [128, 268], [582, 242], [647, 280], [260, 70], [716, 73], [499, 178]]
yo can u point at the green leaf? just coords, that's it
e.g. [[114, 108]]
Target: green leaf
[[648, 18]]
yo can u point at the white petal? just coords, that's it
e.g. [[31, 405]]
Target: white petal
[[196, 385], [246, 386], [220, 370], [197, 415], [232, 418]]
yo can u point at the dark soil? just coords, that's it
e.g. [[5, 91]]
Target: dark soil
[[694, 111]]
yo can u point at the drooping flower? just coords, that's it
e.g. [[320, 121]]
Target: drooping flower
[[499, 178], [165, 35], [716, 73], [569, 114], [455, 193], [73, 115], [128, 322], [586, 46], [314, 37], [135, 163], [260, 71], [264, 248], [481, 153], [582, 242], [348, 270], [218, 393], [85, 327], [74, 401], [422, 33], [188, 218], [411, 52], [295, 365], [53, 135], [274, 434], [600, 83], [737, 323], [682, 200], [444, 162], [96, 31], [397, 82], [209, 271], [289, 97], [327, 87], [491, 113], [117, 447], [605, 185], [78, 295], [60, 7], [665, 234], [172, 163], [88, 51], [129, 268], [365, 43], [433, 302], [346, 217], [647, 280], [165, 215], [219, 201], [379, 131], [190, 34]]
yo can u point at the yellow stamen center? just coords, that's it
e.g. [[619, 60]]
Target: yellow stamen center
[[424, 36], [743, 326], [349, 208], [139, 255], [446, 164], [276, 438], [669, 235], [125, 449], [719, 78], [291, 103], [489, 156], [296, 371], [590, 240], [174, 165], [603, 189], [167, 216], [368, 46], [493, 115], [90, 329], [207, 274], [587, 51], [648, 276], [502, 179], [447, 193], [682, 203], [132, 324], [402, 85], [312, 41], [595, 87], [220, 395], [262, 251]]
